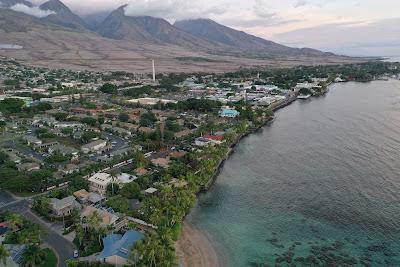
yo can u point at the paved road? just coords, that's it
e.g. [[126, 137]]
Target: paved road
[[63, 247]]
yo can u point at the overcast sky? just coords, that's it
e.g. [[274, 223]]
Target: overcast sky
[[357, 27]]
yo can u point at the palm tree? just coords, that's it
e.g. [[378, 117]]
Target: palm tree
[[32, 256], [94, 221], [71, 263], [4, 254], [14, 221]]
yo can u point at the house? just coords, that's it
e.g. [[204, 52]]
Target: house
[[183, 133], [227, 112], [15, 255], [3, 228], [145, 130], [141, 171], [121, 131], [130, 126], [106, 218], [95, 146], [69, 124], [177, 154], [88, 198], [63, 207], [148, 101], [99, 182], [13, 157], [117, 248], [178, 183], [28, 167], [215, 139], [202, 142], [135, 114], [63, 150], [151, 190], [161, 162], [69, 169], [32, 140], [45, 145], [125, 178]]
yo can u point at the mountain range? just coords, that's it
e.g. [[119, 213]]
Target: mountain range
[[61, 38]]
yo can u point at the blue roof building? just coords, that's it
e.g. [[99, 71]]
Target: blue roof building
[[117, 248], [228, 113]]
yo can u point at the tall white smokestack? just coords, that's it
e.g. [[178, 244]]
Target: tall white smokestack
[[154, 71]]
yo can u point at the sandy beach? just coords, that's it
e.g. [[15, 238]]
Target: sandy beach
[[195, 250]]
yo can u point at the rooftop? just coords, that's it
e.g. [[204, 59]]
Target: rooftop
[[101, 178], [118, 245]]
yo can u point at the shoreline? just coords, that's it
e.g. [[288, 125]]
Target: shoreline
[[194, 249], [231, 150]]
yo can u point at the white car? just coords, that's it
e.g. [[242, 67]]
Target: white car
[[76, 254]]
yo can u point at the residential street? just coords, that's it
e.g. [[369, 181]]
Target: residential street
[[63, 247]]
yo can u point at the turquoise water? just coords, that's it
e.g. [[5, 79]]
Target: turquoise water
[[320, 186]]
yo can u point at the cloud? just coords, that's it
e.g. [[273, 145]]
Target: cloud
[[353, 38], [33, 11], [262, 10], [257, 22], [174, 9], [300, 3]]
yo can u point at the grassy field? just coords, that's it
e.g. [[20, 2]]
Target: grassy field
[[51, 258]]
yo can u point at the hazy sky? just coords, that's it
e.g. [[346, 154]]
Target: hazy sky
[[364, 27]]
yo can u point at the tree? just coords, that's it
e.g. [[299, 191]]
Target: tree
[[119, 204], [89, 121], [101, 120], [89, 136], [33, 256], [147, 119], [72, 263], [152, 252], [112, 189], [42, 205], [11, 105], [60, 116], [131, 190], [123, 117], [14, 220], [94, 221], [109, 88], [4, 254]]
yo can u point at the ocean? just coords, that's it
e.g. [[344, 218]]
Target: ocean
[[319, 186]]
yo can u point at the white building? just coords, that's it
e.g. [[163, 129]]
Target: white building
[[125, 178], [94, 146], [99, 182], [148, 101]]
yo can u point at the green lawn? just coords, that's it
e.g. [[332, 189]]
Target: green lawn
[[51, 258]]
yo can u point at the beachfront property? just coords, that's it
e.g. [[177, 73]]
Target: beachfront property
[[99, 182], [227, 112], [208, 140], [202, 142], [117, 248]]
